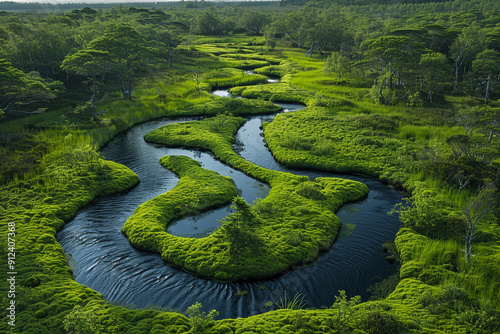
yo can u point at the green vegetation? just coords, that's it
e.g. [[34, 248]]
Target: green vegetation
[[276, 92], [232, 77], [405, 91], [291, 226]]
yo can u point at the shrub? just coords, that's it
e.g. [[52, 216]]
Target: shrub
[[31, 282], [40, 314], [200, 321], [380, 322]]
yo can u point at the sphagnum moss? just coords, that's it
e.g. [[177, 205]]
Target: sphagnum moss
[[293, 225]]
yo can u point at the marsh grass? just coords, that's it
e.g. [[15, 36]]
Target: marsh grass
[[297, 302], [230, 77]]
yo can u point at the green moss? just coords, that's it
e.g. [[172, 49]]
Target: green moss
[[230, 77], [234, 106], [276, 92], [312, 138], [272, 70], [285, 236], [42, 267]]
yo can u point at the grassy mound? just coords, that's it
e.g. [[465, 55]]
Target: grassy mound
[[235, 106], [276, 92], [230, 77], [288, 228]]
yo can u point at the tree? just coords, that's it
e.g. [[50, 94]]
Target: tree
[[337, 63], [422, 212], [254, 22], [325, 31], [475, 210], [93, 64], [127, 52], [460, 145], [208, 23], [485, 67], [18, 89], [244, 217], [464, 49], [491, 122], [470, 117], [433, 69], [238, 226], [346, 310], [393, 57], [292, 25]]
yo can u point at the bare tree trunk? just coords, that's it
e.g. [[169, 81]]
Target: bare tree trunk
[[488, 82], [314, 46], [93, 99], [474, 211], [130, 87]]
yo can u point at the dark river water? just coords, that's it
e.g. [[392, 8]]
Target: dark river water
[[103, 259]]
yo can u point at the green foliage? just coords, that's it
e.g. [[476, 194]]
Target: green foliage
[[234, 106], [382, 289], [231, 77], [346, 309], [276, 92], [423, 212], [336, 63], [200, 321], [18, 90], [272, 70], [380, 321], [82, 321], [479, 321]]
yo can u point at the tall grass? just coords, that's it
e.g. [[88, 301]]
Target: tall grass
[[426, 133], [296, 302]]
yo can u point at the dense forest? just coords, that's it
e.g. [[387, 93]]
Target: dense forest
[[405, 92]]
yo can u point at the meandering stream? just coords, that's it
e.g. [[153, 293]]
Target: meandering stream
[[103, 259]]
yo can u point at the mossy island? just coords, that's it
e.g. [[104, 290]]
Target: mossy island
[[292, 226]]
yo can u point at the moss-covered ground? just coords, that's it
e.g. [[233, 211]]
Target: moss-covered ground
[[291, 226]]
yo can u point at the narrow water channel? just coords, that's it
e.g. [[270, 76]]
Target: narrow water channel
[[103, 259]]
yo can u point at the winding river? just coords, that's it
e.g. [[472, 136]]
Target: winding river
[[103, 259]]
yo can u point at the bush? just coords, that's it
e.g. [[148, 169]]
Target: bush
[[200, 321], [40, 314], [380, 322], [31, 282]]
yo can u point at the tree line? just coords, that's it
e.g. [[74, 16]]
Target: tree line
[[408, 53]]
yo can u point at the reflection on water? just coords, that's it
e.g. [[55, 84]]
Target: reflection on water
[[104, 260]]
